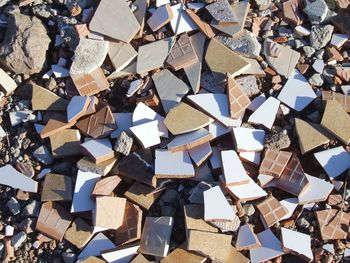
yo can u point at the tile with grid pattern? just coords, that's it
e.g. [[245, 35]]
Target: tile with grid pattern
[[271, 210], [293, 179], [90, 84], [333, 223], [182, 54], [237, 100], [130, 230], [344, 100], [274, 162]]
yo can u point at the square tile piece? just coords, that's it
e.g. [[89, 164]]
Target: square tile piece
[[248, 140], [297, 243], [155, 236], [109, 212], [57, 187], [233, 169], [274, 162], [333, 223], [271, 210], [237, 99]]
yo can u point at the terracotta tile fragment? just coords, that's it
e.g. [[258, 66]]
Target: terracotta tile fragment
[[271, 210], [91, 84], [274, 162], [343, 73], [334, 54], [81, 30], [335, 200], [106, 185], [291, 12], [109, 212], [79, 233], [333, 224], [237, 99], [203, 26]]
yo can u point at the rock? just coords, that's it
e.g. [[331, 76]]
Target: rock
[[309, 51], [14, 206], [248, 85], [24, 48], [170, 196], [68, 257], [277, 141], [32, 209], [302, 222], [18, 239], [42, 154], [316, 80], [320, 36], [123, 144], [317, 11], [245, 44], [249, 209]]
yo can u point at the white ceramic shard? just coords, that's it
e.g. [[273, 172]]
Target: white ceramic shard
[[339, 39], [217, 129], [318, 190], [189, 140], [11, 177], [290, 204], [120, 255], [266, 113], [233, 169], [246, 238], [96, 245], [252, 157], [257, 102], [147, 133], [297, 243], [181, 22], [249, 140], [200, 153], [216, 206], [76, 107], [124, 122], [246, 192]]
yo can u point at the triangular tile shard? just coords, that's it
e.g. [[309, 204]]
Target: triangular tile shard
[[310, 135], [170, 88], [183, 118], [233, 169], [202, 25], [237, 99], [317, 191], [108, 14], [334, 161], [266, 113], [297, 92], [246, 192], [200, 153], [246, 238], [96, 245], [43, 99], [77, 107], [121, 254], [337, 121], [216, 206], [221, 60], [297, 243], [274, 162], [181, 22], [161, 16], [173, 165]]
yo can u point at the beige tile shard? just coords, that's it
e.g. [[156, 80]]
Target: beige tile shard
[[254, 69], [160, 17], [43, 99], [141, 194], [108, 14], [191, 119], [222, 60], [204, 27], [106, 185], [344, 100], [57, 187], [194, 219], [7, 84], [109, 212], [235, 256], [121, 54], [237, 99], [65, 143], [337, 121], [310, 135], [181, 255], [139, 259], [79, 233], [189, 140]]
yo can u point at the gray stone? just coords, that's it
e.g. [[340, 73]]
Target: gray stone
[[68, 257], [284, 32], [221, 11], [244, 44], [248, 85], [26, 42], [316, 10], [18, 239], [277, 141], [32, 209], [43, 154], [249, 209], [309, 51], [316, 80], [302, 222], [170, 196], [14, 206], [123, 144], [320, 36]]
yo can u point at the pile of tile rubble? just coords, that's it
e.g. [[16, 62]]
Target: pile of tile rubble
[[211, 101]]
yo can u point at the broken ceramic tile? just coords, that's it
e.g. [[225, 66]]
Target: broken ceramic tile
[[266, 113], [107, 15], [65, 143], [200, 153], [79, 233], [99, 150], [337, 121], [246, 238], [121, 54], [290, 204], [77, 107], [170, 88], [191, 119], [248, 140], [333, 223], [7, 84], [271, 210], [246, 192], [134, 87], [86, 165], [189, 140], [124, 122], [222, 12], [120, 255], [296, 93], [217, 129], [95, 247], [109, 212], [141, 194], [84, 185], [18, 117], [297, 243], [155, 236], [194, 215], [53, 220], [344, 100], [57, 187], [140, 14], [338, 40], [237, 99], [11, 177], [161, 16], [181, 22], [204, 27], [334, 161], [252, 157], [180, 255], [152, 56], [234, 172], [106, 185], [147, 133], [317, 191], [291, 13], [257, 102], [274, 162]]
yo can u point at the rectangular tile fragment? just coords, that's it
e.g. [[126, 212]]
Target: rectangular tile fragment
[[57, 187], [79, 233], [109, 211]]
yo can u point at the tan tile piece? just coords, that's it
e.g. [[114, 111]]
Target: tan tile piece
[[182, 54], [43, 99], [130, 230], [291, 13], [334, 54], [204, 27], [333, 223], [53, 220], [274, 162], [271, 210], [121, 54], [142, 195], [65, 143], [221, 60], [91, 84], [109, 211], [106, 185], [212, 245], [92, 259], [81, 30], [335, 200], [181, 255], [344, 100], [155, 236], [140, 14], [343, 73], [139, 259], [57, 123], [311, 135], [194, 219], [337, 121], [161, 16], [7, 84], [183, 118], [79, 233], [235, 256], [293, 179], [237, 99], [57, 187]]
